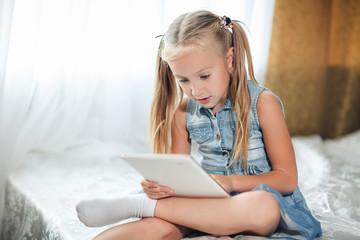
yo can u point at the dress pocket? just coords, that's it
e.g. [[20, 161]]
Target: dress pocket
[[200, 133]]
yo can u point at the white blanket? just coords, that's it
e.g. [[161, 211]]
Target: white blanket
[[41, 195]]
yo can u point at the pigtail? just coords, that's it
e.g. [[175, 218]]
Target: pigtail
[[195, 29], [240, 93], [164, 103]]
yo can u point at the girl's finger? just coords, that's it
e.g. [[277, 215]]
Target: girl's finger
[[158, 196], [164, 189], [154, 194], [161, 190], [152, 189], [146, 183]]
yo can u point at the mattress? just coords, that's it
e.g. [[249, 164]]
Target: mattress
[[41, 195]]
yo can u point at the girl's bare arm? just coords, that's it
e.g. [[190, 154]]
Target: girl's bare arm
[[180, 142], [283, 176]]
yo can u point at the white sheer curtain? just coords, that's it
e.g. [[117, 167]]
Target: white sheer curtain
[[83, 70]]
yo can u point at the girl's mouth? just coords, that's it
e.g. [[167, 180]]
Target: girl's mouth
[[204, 100]]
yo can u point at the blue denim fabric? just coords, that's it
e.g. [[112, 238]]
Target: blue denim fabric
[[215, 138]]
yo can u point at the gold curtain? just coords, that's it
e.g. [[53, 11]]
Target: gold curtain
[[314, 65]]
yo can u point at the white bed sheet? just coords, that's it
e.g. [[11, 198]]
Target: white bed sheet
[[41, 195]]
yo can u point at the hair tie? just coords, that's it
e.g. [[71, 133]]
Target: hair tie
[[225, 22], [162, 38]]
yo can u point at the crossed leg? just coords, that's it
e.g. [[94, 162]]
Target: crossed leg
[[251, 212]]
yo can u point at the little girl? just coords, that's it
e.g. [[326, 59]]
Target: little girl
[[203, 95]]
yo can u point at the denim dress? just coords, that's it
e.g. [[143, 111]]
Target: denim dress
[[215, 139]]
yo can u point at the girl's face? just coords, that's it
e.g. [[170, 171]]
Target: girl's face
[[204, 76]]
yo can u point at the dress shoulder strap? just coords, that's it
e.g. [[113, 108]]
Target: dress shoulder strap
[[255, 90]]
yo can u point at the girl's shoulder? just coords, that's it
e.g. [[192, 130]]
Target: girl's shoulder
[[179, 133], [267, 100], [269, 107], [183, 105], [180, 112], [263, 101]]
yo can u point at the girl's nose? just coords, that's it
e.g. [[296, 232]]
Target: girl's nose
[[196, 90]]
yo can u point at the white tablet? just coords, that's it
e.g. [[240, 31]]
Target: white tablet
[[177, 171]]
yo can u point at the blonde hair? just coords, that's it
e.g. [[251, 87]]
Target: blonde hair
[[196, 30]]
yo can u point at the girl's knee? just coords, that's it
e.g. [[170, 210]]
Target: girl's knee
[[261, 211], [266, 213]]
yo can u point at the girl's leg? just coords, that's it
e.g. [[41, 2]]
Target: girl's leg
[[146, 228], [254, 212]]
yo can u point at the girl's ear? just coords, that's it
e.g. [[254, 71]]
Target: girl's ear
[[230, 58]]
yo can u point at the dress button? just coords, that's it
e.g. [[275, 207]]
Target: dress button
[[218, 137], [224, 154]]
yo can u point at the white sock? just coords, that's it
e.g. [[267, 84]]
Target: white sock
[[98, 212]]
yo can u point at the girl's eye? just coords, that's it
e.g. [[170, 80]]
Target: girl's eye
[[205, 76], [182, 80]]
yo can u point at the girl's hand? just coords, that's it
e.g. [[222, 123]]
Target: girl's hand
[[223, 181], [155, 191]]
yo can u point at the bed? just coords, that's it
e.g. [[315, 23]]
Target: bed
[[41, 195]]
